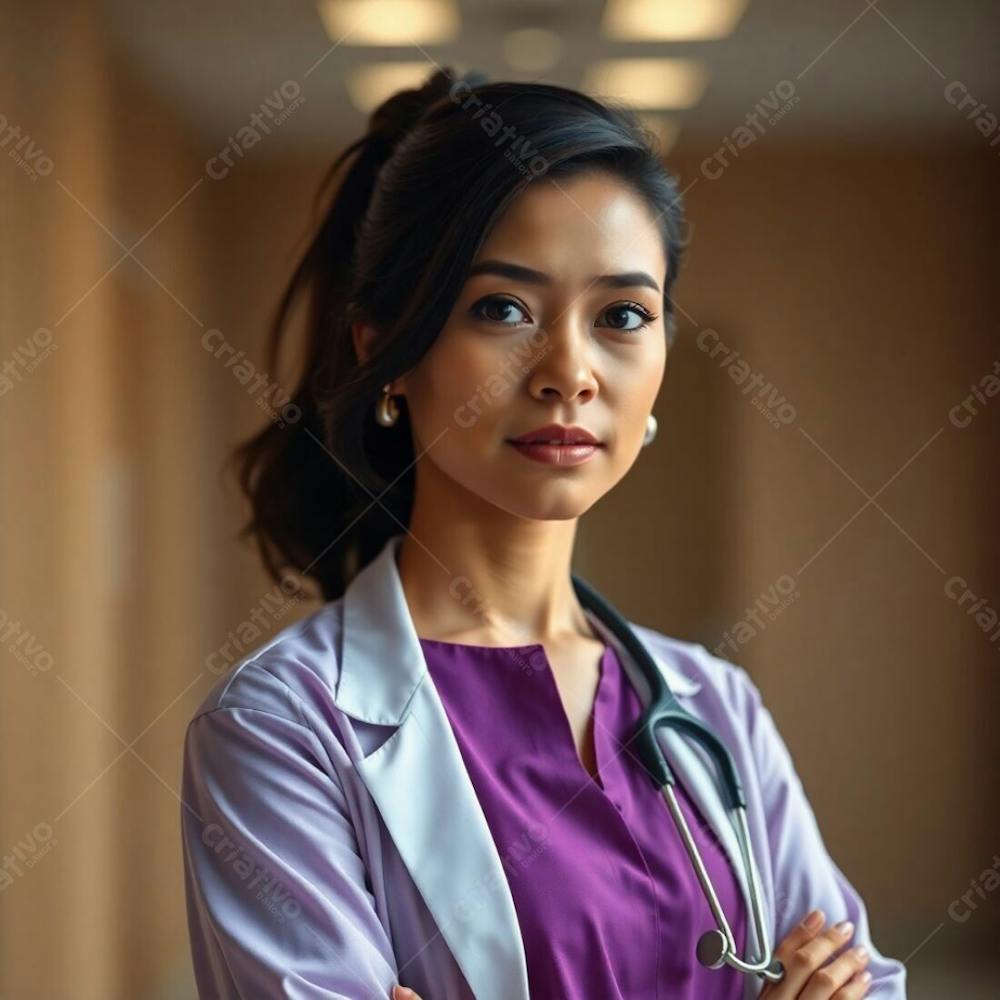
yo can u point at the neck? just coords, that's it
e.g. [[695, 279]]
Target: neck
[[505, 581]]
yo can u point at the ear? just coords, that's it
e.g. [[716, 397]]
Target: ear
[[362, 334]]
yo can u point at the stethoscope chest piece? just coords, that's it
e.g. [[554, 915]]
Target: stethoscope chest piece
[[712, 949]]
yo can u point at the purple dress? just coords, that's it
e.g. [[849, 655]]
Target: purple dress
[[607, 901]]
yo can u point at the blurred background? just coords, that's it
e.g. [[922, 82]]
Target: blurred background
[[835, 533]]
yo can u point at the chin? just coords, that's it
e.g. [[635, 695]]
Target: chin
[[554, 504]]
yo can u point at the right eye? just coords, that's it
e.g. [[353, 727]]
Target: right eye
[[498, 309]]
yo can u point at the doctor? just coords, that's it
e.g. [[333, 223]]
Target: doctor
[[427, 782]]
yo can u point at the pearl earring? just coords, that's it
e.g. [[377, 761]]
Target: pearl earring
[[386, 409], [650, 430]]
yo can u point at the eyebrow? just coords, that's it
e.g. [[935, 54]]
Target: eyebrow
[[528, 275]]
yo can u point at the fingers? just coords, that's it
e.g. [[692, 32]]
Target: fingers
[[805, 961], [844, 972], [856, 988], [403, 993], [804, 953], [801, 934]]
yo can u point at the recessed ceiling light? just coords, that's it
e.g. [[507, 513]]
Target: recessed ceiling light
[[369, 85], [648, 83], [390, 22], [671, 20]]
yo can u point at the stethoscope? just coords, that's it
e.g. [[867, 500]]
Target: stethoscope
[[715, 947]]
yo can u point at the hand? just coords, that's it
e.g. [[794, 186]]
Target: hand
[[403, 993], [803, 953]]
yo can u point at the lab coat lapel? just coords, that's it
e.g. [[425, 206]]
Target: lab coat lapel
[[419, 783], [429, 806]]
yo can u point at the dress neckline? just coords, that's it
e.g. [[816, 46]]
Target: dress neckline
[[478, 648]]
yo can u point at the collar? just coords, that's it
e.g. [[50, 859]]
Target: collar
[[381, 661]]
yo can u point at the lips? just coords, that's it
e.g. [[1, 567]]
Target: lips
[[557, 434], [558, 447]]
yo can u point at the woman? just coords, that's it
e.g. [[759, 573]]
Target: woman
[[428, 782]]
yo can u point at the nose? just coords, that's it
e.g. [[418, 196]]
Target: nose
[[564, 369]]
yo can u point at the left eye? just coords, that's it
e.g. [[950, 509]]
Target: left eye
[[622, 309], [499, 310]]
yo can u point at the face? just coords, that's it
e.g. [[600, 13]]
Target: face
[[560, 323]]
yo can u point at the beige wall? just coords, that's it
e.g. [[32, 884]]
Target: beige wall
[[854, 279], [104, 514]]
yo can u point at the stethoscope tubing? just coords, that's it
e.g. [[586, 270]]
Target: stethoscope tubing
[[716, 947]]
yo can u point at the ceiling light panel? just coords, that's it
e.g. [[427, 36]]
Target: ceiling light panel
[[649, 84], [670, 20], [390, 22]]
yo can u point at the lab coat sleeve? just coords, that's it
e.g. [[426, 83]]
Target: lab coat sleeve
[[276, 889], [805, 875]]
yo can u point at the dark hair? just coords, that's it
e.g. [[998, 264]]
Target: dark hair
[[327, 485]]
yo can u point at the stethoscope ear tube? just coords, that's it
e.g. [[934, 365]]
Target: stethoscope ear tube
[[663, 709]]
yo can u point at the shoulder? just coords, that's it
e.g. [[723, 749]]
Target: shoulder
[[719, 684], [286, 675], [728, 700]]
